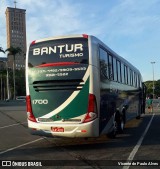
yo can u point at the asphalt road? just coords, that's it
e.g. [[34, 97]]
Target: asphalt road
[[138, 147]]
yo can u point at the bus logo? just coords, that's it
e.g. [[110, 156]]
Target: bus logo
[[60, 49]]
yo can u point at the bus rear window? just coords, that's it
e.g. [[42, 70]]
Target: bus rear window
[[73, 50]]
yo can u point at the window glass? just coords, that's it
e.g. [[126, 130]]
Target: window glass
[[115, 69], [57, 51], [119, 71], [111, 67], [122, 73], [134, 80], [131, 77], [137, 80], [126, 74], [104, 64]]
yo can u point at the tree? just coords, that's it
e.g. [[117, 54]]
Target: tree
[[158, 88], [14, 51], [149, 85], [1, 50], [20, 82]]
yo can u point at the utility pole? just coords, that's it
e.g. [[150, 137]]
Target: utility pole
[[1, 87], [14, 80], [153, 77]]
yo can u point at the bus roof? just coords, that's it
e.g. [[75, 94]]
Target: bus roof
[[60, 37]]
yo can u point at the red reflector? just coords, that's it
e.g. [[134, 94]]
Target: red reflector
[[91, 105], [83, 131], [34, 129], [33, 42], [85, 36], [57, 64], [29, 109]]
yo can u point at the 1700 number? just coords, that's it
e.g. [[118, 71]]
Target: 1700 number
[[40, 101]]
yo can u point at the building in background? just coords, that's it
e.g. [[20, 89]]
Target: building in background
[[16, 35]]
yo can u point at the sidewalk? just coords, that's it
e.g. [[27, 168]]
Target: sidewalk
[[155, 110], [156, 106]]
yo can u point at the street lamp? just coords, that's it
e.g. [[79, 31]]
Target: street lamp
[[7, 79], [153, 76]]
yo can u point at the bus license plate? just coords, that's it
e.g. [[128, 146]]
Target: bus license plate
[[57, 129]]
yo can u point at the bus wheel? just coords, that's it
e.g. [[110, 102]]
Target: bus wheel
[[139, 112], [113, 133], [138, 117], [121, 119]]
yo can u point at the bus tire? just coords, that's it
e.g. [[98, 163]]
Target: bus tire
[[139, 111], [121, 119], [113, 133]]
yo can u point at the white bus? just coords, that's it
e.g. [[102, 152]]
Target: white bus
[[78, 87]]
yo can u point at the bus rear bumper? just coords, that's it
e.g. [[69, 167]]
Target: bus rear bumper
[[40, 132], [90, 129]]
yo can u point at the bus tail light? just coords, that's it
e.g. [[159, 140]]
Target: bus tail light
[[29, 109], [85, 36], [92, 109], [33, 42]]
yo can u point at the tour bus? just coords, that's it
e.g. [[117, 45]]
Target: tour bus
[[77, 86]]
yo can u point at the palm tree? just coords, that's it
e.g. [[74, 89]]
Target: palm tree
[[1, 50], [14, 51]]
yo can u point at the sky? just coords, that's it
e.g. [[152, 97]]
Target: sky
[[129, 27]]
